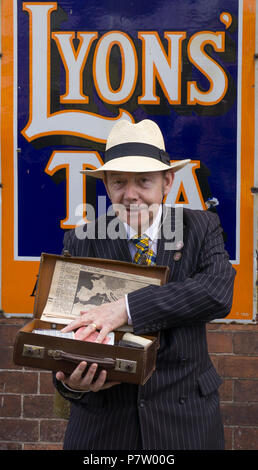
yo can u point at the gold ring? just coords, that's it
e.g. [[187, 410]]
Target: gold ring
[[93, 325]]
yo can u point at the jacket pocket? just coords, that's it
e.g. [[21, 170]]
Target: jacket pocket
[[209, 381]]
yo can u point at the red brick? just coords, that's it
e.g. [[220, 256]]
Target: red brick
[[38, 406], [239, 414], [246, 390], [43, 446], [246, 439], [52, 430], [10, 446], [212, 326], [6, 354], [238, 366], [233, 327], [228, 432], [19, 430], [18, 382], [10, 405], [46, 383], [8, 334], [226, 390], [219, 342], [245, 343], [13, 321]]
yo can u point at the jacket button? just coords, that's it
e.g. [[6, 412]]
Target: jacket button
[[182, 400], [142, 403], [183, 360]]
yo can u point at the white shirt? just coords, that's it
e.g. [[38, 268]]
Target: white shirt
[[152, 233]]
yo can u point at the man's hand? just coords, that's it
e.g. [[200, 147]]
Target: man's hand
[[105, 318], [78, 381]]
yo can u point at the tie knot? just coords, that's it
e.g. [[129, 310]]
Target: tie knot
[[141, 240], [144, 253]]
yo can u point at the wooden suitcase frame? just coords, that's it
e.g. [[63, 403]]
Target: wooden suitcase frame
[[125, 364]]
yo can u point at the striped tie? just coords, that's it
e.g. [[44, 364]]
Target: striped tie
[[144, 254]]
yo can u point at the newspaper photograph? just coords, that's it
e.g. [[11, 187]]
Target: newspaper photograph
[[75, 288]]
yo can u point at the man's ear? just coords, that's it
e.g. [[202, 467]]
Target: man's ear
[[168, 179], [105, 183]]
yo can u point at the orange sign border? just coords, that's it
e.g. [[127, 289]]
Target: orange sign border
[[18, 277]]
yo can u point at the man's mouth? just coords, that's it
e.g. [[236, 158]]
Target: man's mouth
[[136, 209]]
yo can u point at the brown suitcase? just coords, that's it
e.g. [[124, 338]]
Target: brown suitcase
[[125, 364]]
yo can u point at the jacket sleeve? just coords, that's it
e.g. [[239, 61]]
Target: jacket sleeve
[[203, 295], [67, 392]]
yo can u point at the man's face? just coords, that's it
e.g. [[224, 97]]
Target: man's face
[[136, 196]]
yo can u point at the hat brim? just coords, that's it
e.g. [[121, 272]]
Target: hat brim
[[135, 164]]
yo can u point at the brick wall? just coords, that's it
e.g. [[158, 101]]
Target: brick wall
[[234, 352], [27, 420]]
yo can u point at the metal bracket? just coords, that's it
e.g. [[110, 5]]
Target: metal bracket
[[124, 365], [66, 254], [30, 350]]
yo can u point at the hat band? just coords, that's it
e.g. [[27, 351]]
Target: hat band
[[130, 149]]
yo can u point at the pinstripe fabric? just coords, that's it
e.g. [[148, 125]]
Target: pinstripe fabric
[[178, 408]]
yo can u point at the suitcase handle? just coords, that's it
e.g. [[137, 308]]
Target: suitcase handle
[[105, 362]]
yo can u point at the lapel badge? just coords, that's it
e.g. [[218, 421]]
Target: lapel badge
[[179, 245], [177, 256]]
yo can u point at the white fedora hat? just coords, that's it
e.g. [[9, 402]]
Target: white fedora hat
[[136, 148]]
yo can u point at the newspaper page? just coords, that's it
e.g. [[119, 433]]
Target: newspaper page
[[75, 288]]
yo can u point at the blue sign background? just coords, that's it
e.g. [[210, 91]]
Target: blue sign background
[[208, 134]]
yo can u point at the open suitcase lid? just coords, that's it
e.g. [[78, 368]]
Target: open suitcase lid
[[48, 264]]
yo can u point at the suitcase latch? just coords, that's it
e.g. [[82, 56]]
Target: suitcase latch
[[30, 350], [124, 365]]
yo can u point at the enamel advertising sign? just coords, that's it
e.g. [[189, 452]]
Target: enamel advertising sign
[[71, 69]]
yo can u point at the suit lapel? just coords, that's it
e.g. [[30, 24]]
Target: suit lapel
[[109, 248], [121, 250], [170, 233], [165, 255]]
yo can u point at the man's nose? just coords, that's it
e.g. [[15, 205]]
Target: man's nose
[[131, 192]]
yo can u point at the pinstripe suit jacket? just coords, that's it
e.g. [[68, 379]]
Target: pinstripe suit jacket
[[178, 408]]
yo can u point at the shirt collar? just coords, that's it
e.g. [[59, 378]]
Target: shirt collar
[[151, 231]]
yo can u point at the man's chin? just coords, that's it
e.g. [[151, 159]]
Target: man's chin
[[139, 222], [139, 219]]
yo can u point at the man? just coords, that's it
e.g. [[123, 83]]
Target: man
[[178, 407]]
